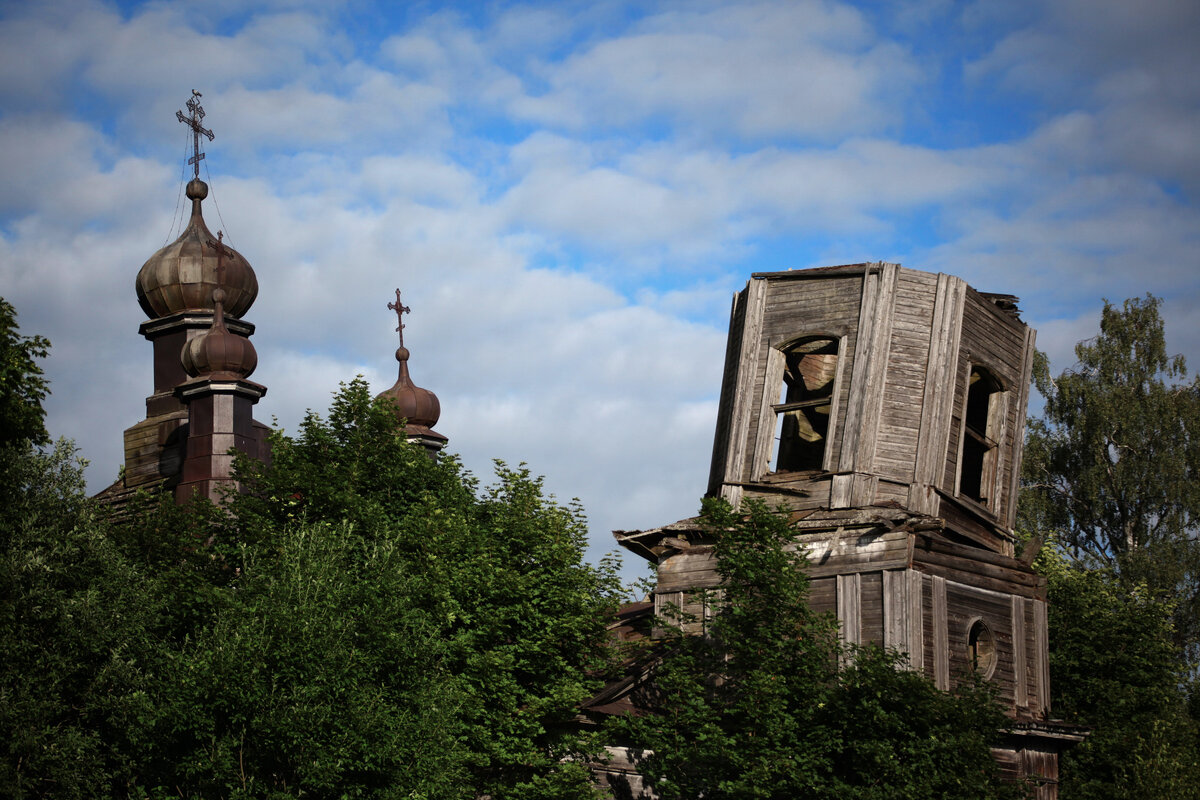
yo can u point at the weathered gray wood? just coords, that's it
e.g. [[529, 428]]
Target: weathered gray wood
[[985, 576], [756, 292], [867, 317], [1020, 659], [1021, 404], [937, 399], [830, 457], [914, 633], [876, 372], [1041, 636], [822, 595], [941, 644], [729, 383], [849, 607], [765, 445], [841, 490], [871, 607], [862, 491]]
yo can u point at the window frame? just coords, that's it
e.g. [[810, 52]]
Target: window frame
[[774, 387], [989, 440]]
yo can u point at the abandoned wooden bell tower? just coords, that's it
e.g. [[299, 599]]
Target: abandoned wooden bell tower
[[885, 408]]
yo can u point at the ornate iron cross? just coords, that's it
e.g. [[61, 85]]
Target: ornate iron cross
[[197, 114], [400, 310]]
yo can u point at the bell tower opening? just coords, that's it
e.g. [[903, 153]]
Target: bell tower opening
[[980, 449], [805, 404]]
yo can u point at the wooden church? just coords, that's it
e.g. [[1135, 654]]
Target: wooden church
[[885, 408]]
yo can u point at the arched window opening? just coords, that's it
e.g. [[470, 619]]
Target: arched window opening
[[981, 649], [805, 404], [977, 471]]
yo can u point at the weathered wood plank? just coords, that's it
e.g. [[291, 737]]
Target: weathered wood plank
[[940, 388], [743, 408], [849, 608], [725, 430], [940, 633], [764, 444], [1040, 630], [871, 608], [1020, 660]]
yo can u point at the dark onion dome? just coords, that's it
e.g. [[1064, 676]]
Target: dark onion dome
[[183, 275], [217, 353], [420, 407]]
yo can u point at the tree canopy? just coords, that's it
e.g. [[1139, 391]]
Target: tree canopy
[[22, 386], [759, 706], [1110, 482], [361, 621], [1113, 467]]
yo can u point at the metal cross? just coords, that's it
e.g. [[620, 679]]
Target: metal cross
[[197, 114], [400, 310]]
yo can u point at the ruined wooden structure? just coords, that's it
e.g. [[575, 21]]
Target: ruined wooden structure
[[884, 408]]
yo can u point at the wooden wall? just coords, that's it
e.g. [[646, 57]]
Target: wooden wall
[[908, 342]]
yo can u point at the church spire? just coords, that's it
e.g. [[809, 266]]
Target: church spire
[[418, 408]]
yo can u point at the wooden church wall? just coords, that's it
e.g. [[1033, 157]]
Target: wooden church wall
[[797, 308], [995, 340], [908, 355]]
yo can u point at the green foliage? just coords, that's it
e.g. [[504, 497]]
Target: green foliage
[[1113, 469], [1110, 480], [22, 387], [758, 707], [360, 622], [76, 620], [1113, 666]]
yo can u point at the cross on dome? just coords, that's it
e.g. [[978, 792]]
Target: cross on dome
[[193, 122], [400, 310]]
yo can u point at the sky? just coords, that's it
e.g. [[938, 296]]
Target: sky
[[568, 194]]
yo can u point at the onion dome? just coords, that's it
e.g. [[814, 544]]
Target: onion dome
[[419, 407], [219, 353], [183, 275]]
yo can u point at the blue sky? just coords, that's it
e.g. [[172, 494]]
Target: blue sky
[[569, 193]]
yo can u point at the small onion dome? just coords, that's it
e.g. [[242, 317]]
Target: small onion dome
[[219, 353], [183, 275], [419, 406]]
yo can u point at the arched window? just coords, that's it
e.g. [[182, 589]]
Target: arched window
[[981, 649], [805, 405], [980, 448]]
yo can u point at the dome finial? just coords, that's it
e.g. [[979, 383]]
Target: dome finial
[[181, 276], [419, 407]]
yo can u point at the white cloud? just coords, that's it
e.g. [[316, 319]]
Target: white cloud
[[567, 197], [756, 70]]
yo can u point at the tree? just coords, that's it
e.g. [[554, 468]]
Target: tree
[[76, 620], [360, 621], [381, 628], [759, 708], [1114, 667], [22, 387], [1113, 468]]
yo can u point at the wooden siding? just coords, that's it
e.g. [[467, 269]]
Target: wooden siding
[[793, 309], [995, 340], [871, 607], [965, 604], [729, 382], [939, 397], [904, 388]]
